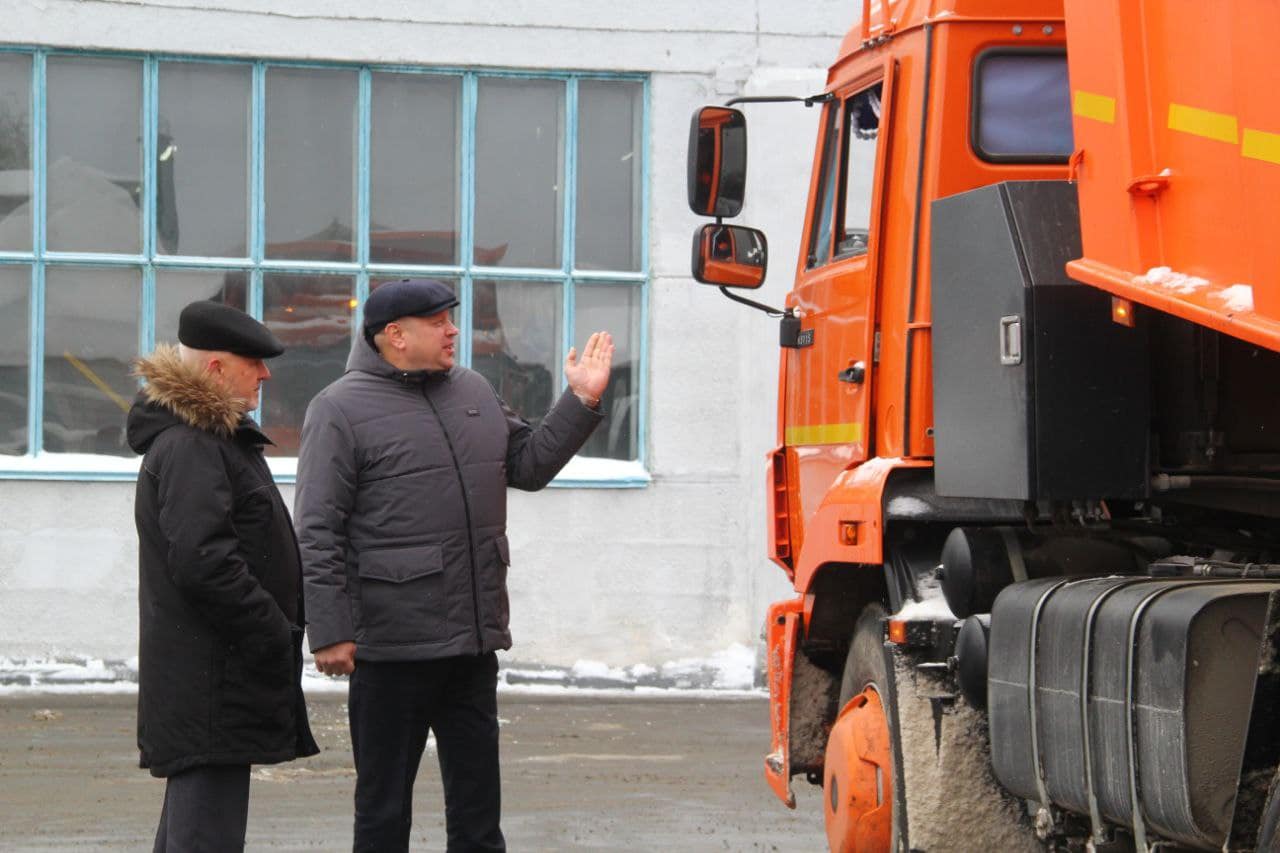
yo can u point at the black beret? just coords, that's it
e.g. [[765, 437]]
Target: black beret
[[410, 297], [214, 326]]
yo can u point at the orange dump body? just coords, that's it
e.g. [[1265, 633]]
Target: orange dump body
[[1177, 117]]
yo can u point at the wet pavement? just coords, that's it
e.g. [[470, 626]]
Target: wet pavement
[[580, 772]]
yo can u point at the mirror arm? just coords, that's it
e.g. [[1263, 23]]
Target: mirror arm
[[772, 312], [780, 99]]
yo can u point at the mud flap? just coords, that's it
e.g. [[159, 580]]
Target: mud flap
[[782, 628], [952, 799]]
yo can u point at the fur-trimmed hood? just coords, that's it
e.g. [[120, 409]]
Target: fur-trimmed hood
[[184, 392]]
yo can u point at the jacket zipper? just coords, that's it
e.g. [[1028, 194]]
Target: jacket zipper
[[466, 507]]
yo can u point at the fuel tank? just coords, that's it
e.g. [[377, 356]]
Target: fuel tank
[[1109, 691]]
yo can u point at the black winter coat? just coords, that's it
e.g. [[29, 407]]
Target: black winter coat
[[402, 506], [219, 585]]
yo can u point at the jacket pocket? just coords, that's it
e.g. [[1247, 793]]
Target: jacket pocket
[[401, 595]]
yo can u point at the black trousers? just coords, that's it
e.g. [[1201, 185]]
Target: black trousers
[[205, 810], [392, 706]]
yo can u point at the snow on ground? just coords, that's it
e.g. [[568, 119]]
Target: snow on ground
[[726, 674]]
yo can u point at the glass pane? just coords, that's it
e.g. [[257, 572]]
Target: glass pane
[[202, 160], [310, 168], [861, 133], [311, 315], [1024, 106], [15, 152], [515, 342], [613, 308], [176, 289], [413, 190], [15, 290], [609, 153], [824, 204], [90, 338], [519, 172], [95, 155]]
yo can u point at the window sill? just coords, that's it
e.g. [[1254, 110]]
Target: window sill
[[580, 473]]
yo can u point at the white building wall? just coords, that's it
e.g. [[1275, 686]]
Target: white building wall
[[673, 570]]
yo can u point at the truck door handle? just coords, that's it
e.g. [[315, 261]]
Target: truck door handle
[[855, 373], [1011, 339]]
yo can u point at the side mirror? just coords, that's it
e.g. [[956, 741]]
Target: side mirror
[[730, 256], [717, 161]]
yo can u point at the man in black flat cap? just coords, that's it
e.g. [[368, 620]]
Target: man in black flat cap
[[219, 581], [401, 512]]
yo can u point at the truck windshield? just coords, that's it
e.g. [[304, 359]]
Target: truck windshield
[[1022, 107]]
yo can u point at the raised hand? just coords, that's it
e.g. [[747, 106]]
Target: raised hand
[[589, 375]]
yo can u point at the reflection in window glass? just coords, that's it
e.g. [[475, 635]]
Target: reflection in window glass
[[1024, 106], [310, 168], [519, 172], [413, 192], [824, 204], [90, 338], [861, 134], [15, 152], [176, 289], [15, 290], [608, 210], [311, 315], [95, 155], [202, 160], [613, 308], [516, 333]]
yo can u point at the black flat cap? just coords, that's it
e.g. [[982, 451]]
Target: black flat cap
[[214, 326], [410, 297]]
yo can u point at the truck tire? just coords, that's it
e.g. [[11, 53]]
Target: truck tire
[[862, 801]]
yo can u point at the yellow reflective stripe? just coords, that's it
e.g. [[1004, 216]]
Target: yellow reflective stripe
[[1096, 107], [823, 434], [1261, 145], [1210, 125]]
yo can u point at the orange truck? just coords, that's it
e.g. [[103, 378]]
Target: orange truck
[[1027, 482]]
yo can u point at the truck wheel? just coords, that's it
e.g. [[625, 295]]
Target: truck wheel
[[859, 793]]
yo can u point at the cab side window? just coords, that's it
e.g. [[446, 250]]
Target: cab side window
[[842, 213], [820, 237], [861, 136]]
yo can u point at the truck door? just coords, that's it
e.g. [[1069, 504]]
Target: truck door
[[829, 381]]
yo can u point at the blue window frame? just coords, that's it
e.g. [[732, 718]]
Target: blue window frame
[[131, 184]]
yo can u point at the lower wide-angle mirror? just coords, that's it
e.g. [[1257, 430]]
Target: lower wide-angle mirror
[[730, 256]]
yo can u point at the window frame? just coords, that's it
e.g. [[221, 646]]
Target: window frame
[[591, 471], [975, 111]]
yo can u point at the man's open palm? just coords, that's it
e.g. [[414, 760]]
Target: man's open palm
[[589, 376]]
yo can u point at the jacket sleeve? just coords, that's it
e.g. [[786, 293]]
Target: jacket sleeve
[[324, 496], [536, 455], [195, 506]]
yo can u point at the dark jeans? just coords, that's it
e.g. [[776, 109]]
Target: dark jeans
[[392, 705], [205, 810]]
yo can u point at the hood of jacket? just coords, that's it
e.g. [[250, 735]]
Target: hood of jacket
[[365, 359], [177, 392]]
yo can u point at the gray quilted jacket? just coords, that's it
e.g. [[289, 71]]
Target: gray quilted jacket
[[401, 506]]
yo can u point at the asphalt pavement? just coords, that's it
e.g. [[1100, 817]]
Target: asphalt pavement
[[580, 772]]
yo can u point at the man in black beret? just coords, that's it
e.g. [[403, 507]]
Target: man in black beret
[[401, 511], [219, 581]]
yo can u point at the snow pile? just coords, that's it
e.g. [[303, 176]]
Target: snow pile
[[729, 673], [67, 675], [905, 506], [932, 605], [1236, 298], [1170, 280]]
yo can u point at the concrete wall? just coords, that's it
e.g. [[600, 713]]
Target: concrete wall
[[673, 570]]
